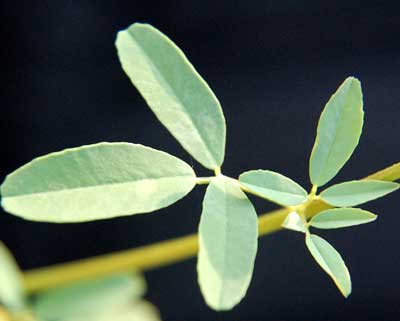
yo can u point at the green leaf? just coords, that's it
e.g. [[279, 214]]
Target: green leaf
[[85, 299], [338, 133], [295, 222], [330, 261], [135, 311], [11, 289], [227, 244], [273, 186], [341, 217], [138, 311], [176, 93], [357, 192], [96, 182]]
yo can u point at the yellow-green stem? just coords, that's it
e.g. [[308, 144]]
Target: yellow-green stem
[[162, 253]]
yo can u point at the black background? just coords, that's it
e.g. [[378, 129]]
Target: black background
[[273, 65]]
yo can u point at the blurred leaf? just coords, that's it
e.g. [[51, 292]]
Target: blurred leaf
[[227, 244], [354, 193], [96, 182], [23, 315], [339, 130], [11, 288], [274, 187], [176, 93], [85, 299], [330, 261], [341, 217], [295, 222], [138, 311]]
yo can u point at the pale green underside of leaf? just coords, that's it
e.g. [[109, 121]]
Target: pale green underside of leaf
[[354, 193], [342, 217], [180, 98], [227, 244], [85, 299], [11, 289], [330, 261], [96, 182], [339, 130], [273, 186], [137, 311]]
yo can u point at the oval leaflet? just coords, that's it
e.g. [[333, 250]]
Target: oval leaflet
[[227, 244], [175, 92], [96, 182], [354, 193], [338, 133], [341, 217]]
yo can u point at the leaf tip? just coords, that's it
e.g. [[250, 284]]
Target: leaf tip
[[345, 291], [346, 294]]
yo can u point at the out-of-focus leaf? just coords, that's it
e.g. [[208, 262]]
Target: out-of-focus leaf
[[11, 289], [85, 299], [137, 311]]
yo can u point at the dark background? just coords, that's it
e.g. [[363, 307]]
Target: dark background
[[273, 65]]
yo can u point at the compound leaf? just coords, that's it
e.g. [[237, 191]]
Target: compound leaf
[[11, 289], [354, 193], [85, 299], [175, 92], [227, 244], [330, 261], [273, 186], [338, 133], [96, 182], [341, 217]]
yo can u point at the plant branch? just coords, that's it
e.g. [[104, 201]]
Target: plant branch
[[163, 253]]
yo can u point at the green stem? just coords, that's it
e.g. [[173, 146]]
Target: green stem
[[162, 253]]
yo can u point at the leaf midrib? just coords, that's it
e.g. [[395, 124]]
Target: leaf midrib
[[97, 185], [170, 89], [275, 190], [337, 126]]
